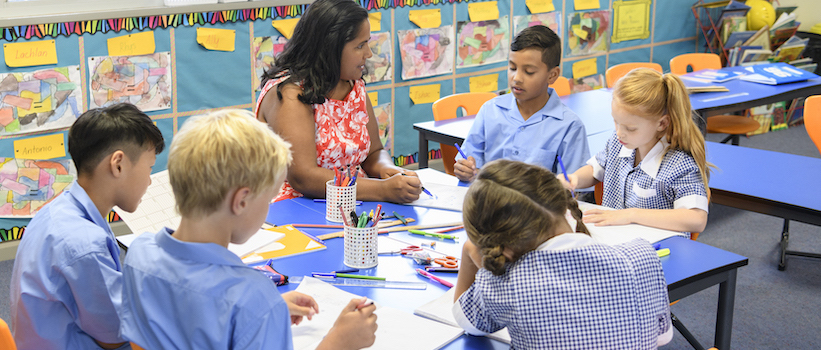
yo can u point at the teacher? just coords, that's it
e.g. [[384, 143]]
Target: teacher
[[320, 106]]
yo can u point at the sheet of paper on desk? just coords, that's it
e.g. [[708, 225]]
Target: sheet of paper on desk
[[440, 309], [445, 197], [156, 209], [622, 233], [397, 329]]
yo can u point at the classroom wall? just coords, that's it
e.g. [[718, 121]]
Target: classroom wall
[[203, 80], [809, 12]]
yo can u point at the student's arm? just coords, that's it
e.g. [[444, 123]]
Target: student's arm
[[574, 149], [96, 286], [354, 329], [582, 178], [474, 148], [471, 260], [686, 220]]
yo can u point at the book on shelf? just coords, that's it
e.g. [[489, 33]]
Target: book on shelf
[[776, 73], [784, 9], [790, 50], [738, 38], [760, 38], [734, 29], [754, 56]]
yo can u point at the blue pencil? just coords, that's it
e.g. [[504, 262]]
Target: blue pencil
[[460, 151], [561, 165]]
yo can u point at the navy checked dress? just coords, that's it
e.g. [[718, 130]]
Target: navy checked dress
[[592, 296]]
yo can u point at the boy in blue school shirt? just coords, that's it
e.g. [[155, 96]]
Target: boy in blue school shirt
[[66, 283], [530, 124], [184, 289]]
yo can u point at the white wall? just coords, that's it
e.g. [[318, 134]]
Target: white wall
[[809, 12]]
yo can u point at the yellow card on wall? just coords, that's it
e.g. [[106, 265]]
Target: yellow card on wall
[[484, 83], [540, 6], [483, 11], [285, 26], [424, 93], [216, 39], [376, 21], [32, 53], [426, 18], [43, 147], [585, 68], [132, 44], [374, 96], [586, 4]]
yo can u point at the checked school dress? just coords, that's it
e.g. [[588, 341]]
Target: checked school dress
[[342, 137], [588, 296]]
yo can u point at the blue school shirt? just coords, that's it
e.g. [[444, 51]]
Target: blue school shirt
[[500, 131], [67, 280], [573, 293], [665, 178], [183, 295]]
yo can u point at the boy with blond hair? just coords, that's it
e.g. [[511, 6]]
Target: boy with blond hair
[[184, 288]]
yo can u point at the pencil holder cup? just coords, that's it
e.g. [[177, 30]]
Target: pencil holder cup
[[361, 249], [339, 195]]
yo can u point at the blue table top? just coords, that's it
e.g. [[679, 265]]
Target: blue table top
[[744, 91]]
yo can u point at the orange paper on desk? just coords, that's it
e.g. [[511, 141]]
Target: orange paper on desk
[[295, 242]]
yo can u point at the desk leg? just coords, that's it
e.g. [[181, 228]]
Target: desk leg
[[724, 317], [422, 158]]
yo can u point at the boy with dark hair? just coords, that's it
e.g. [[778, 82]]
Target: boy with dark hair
[[66, 283], [530, 124]]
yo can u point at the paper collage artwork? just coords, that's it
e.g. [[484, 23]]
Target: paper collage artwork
[[483, 42], [592, 82], [588, 32], [144, 81], [378, 67], [265, 49], [385, 121], [426, 52], [40, 100], [552, 20], [26, 185]]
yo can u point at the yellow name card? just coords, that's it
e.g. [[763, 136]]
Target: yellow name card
[[484, 83], [43, 147], [483, 11], [376, 21], [424, 93], [540, 6], [33, 53], [426, 18], [132, 44], [585, 68], [374, 96], [286, 26], [216, 39], [586, 4]]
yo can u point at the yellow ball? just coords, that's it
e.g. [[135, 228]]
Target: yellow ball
[[761, 13]]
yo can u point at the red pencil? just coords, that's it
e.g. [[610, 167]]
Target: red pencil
[[451, 229]]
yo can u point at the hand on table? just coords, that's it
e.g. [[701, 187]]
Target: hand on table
[[600, 217]]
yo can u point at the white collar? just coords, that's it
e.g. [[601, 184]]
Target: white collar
[[566, 241], [652, 161]]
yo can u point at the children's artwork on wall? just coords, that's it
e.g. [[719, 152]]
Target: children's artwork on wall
[[552, 20], [379, 65], [385, 121], [592, 82], [41, 100], [144, 81], [588, 32], [26, 185], [265, 49], [426, 51], [483, 42]]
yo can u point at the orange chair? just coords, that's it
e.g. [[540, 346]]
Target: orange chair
[[733, 125], [446, 108], [6, 339], [614, 73], [812, 119], [562, 86], [136, 347]]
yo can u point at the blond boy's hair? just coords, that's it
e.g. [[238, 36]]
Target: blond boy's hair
[[222, 151]]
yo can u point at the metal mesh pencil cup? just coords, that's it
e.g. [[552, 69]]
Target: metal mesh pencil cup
[[336, 195], [361, 249]]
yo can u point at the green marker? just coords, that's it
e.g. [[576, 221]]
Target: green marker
[[437, 235]]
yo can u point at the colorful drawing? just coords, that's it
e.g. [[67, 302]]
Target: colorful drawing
[[588, 32], [265, 49], [552, 20], [144, 81], [41, 100], [426, 52], [592, 82], [26, 185], [385, 121], [483, 42], [378, 67]]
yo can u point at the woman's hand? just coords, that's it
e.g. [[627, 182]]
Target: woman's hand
[[401, 188]]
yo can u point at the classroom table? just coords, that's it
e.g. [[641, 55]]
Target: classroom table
[[744, 94], [746, 178], [691, 266]]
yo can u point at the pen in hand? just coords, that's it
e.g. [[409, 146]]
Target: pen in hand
[[423, 189], [561, 165]]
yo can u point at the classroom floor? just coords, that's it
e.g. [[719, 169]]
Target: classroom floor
[[773, 309]]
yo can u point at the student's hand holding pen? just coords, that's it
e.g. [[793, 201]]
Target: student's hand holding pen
[[300, 305], [570, 182], [465, 169], [354, 329]]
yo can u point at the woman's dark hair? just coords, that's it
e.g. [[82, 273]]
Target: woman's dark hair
[[313, 55]]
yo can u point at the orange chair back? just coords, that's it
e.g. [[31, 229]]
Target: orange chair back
[[812, 119], [446, 108], [6, 339], [136, 347], [698, 61], [562, 86], [614, 73]]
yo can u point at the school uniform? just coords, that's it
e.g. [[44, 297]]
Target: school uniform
[[66, 283], [573, 293], [665, 178], [499, 131], [182, 295]]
